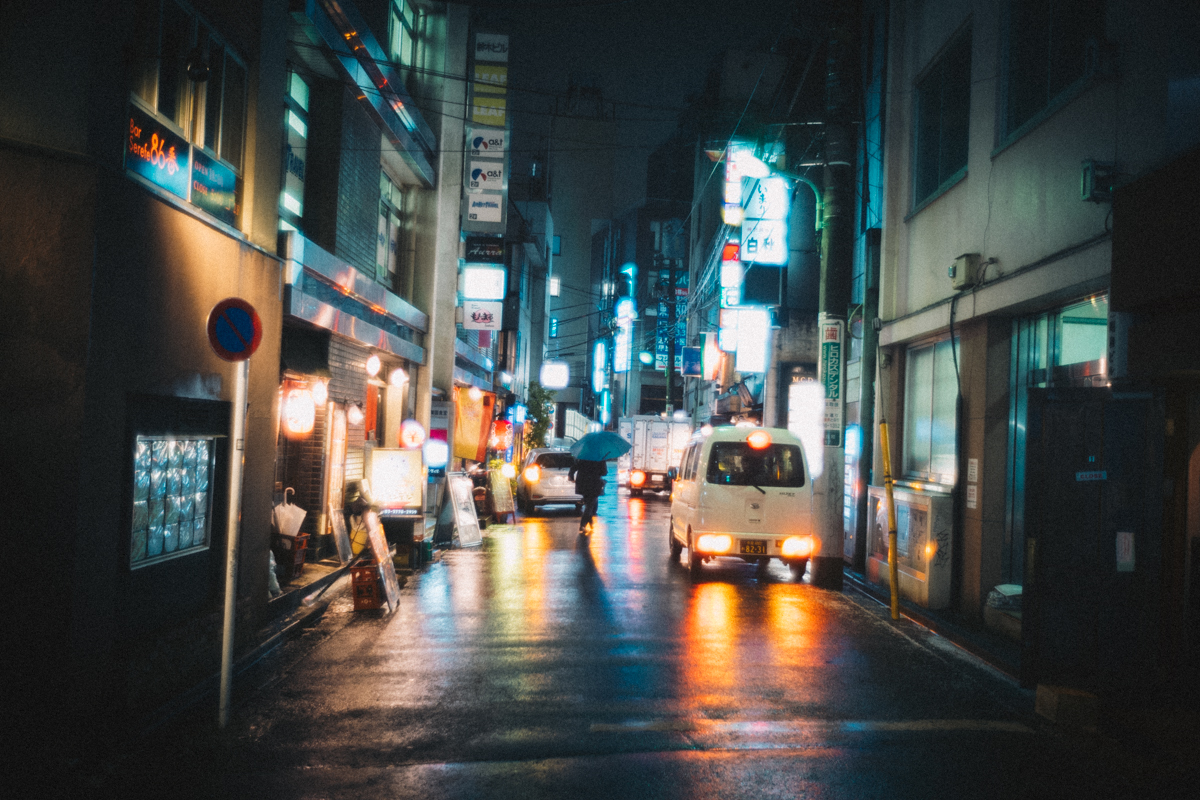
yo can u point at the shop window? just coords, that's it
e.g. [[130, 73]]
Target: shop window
[[942, 113], [172, 497], [930, 416], [1046, 50]]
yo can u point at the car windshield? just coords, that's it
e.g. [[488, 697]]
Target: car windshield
[[555, 460], [738, 464]]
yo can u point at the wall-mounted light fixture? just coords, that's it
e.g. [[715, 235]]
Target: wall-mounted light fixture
[[320, 392]]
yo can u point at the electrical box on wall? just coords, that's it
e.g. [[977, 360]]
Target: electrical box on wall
[[1096, 180], [964, 271]]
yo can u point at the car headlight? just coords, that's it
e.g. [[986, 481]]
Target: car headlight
[[796, 547], [714, 543]]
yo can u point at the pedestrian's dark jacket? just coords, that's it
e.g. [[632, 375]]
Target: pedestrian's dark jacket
[[588, 476]]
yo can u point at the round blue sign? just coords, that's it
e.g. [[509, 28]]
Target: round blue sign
[[234, 329]]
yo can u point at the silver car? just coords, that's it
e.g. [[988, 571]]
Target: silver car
[[543, 480]]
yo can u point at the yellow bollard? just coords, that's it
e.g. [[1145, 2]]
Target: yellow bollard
[[893, 569]]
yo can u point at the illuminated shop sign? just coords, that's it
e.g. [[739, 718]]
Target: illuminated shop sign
[[484, 175], [485, 207], [485, 250], [483, 282], [486, 142], [157, 153], [214, 188], [764, 241], [555, 374], [398, 481]]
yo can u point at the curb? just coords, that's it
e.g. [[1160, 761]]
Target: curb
[[948, 630]]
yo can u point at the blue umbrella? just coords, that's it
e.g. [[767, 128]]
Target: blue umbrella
[[600, 446]]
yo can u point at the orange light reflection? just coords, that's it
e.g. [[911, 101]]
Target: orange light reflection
[[710, 644]]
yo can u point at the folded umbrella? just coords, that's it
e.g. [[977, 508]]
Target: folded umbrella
[[600, 446], [287, 518]]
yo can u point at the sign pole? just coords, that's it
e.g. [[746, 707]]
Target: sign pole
[[234, 333], [233, 528]]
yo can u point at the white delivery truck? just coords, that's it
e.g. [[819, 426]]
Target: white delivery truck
[[658, 445]]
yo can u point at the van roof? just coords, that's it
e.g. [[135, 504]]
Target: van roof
[[737, 433]]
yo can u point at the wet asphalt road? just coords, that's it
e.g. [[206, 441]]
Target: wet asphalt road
[[545, 665]]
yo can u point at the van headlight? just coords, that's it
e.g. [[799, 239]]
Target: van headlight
[[714, 543], [796, 547]]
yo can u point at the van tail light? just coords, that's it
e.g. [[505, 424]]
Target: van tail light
[[637, 478], [796, 547], [714, 543], [533, 473]]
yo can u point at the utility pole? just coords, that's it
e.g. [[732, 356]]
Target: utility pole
[[837, 254], [670, 336]]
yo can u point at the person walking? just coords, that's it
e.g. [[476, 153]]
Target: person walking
[[589, 482]]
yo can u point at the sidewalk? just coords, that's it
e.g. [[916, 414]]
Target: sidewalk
[[1161, 723]]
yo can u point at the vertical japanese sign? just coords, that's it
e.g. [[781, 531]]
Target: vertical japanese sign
[[485, 167], [832, 333]]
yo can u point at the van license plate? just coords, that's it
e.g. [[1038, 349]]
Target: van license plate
[[753, 548]]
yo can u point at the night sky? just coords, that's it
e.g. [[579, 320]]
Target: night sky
[[648, 56]]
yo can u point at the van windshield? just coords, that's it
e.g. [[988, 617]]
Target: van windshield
[[555, 460], [738, 464]]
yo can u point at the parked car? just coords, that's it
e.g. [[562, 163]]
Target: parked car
[[543, 480], [744, 493]]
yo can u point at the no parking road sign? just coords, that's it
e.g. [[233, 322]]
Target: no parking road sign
[[234, 329]]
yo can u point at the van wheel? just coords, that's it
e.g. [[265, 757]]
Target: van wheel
[[693, 560], [798, 568], [635, 492], [676, 547]]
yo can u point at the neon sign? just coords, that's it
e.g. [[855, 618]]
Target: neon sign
[[157, 154]]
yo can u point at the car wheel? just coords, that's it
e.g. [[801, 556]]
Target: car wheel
[[798, 568], [676, 547], [693, 561], [523, 505]]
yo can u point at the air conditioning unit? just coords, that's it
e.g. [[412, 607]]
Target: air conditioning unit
[[924, 533]]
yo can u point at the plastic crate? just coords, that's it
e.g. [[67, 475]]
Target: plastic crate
[[364, 586], [291, 553]]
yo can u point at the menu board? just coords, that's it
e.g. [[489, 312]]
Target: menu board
[[463, 505], [387, 571], [502, 499]]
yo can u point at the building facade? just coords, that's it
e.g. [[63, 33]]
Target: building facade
[[141, 177], [1008, 127]]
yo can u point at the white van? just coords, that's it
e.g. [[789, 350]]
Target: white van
[[745, 493]]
